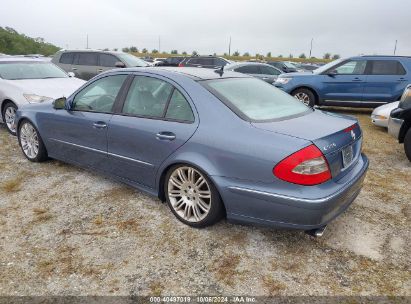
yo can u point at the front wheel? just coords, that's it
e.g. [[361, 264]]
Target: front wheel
[[305, 96], [407, 144], [9, 114], [192, 197], [31, 143]]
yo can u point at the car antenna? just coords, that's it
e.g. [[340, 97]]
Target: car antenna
[[220, 71]]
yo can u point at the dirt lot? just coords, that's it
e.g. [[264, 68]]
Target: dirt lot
[[66, 231]]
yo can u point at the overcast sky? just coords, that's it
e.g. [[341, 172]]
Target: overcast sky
[[345, 27]]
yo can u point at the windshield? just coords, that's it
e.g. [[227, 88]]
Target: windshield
[[327, 66], [132, 61], [289, 65], [30, 70], [256, 100]]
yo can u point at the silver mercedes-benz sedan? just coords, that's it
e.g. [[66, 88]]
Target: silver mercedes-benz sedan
[[28, 80]]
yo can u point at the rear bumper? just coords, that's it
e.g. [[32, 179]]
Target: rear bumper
[[261, 207]]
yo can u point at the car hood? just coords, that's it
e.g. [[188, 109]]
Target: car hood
[[52, 87], [386, 109], [324, 129], [297, 74]]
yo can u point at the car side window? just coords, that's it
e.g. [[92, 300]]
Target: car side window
[[107, 60], [387, 67], [193, 61], [100, 95], [179, 108], [352, 67], [248, 69], [147, 97], [87, 59], [269, 70], [219, 62], [67, 58]]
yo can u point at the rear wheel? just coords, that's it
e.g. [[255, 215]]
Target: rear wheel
[[192, 197], [9, 113], [407, 144], [306, 96], [31, 143]]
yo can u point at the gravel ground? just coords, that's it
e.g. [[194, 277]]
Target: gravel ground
[[67, 231]]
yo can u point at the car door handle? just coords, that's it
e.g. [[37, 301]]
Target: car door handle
[[100, 125], [165, 136], [402, 79], [357, 79], [74, 69], [100, 70]]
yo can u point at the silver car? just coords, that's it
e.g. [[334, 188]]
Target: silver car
[[27, 80], [262, 71], [380, 115]]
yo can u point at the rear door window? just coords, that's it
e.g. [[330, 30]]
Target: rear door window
[[179, 108], [67, 58], [266, 70], [387, 67], [87, 59], [147, 97]]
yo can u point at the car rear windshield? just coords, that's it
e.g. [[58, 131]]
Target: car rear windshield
[[255, 100], [30, 70]]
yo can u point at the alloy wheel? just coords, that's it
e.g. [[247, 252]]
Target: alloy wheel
[[29, 140], [9, 116], [189, 194], [303, 97]]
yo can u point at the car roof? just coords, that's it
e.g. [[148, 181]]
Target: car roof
[[21, 59], [196, 74], [237, 64], [90, 51]]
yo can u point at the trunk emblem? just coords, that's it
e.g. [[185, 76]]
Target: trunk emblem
[[353, 134]]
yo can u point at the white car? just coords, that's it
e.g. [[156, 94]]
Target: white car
[[27, 80], [380, 115]]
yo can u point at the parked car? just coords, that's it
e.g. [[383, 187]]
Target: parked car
[[285, 66], [171, 61], [86, 64], [306, 67], [158, 61], [209, 143], [262, 71], [363, 81], [27, 80], [380, 115], [210, 62], [399, 124]]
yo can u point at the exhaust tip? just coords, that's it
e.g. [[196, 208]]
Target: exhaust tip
[[316, 232]]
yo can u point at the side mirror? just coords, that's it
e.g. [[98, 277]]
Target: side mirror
[[71, 74], [332, 73], [59, 103], [120, 64]]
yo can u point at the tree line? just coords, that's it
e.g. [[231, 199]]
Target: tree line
[[14, 43]]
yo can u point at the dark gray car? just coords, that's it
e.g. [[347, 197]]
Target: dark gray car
[[262, 71], [86, 64]]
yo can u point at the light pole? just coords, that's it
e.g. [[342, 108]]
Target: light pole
[[311, 47], [229, 47], [395, 47]]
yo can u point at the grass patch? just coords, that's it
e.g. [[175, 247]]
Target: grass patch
[[156, 288], [225, 268], [272, 286], [11, 186]]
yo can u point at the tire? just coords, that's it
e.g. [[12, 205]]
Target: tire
[[407, 144], [183, 187], [8, 114], [31, 143], [306, 96]]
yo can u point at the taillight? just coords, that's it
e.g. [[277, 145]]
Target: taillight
[[305, 167], [180, 65]]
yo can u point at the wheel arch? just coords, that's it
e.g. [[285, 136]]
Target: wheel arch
[[403, 131], [316, 95], [3, 104], [165, 169]]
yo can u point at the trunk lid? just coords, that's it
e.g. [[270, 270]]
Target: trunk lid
[[333, 134]]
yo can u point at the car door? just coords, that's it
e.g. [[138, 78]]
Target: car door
[[80, 134], [65, 61], [344, 82], [386, 80], [85, 65], [156, 119]]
